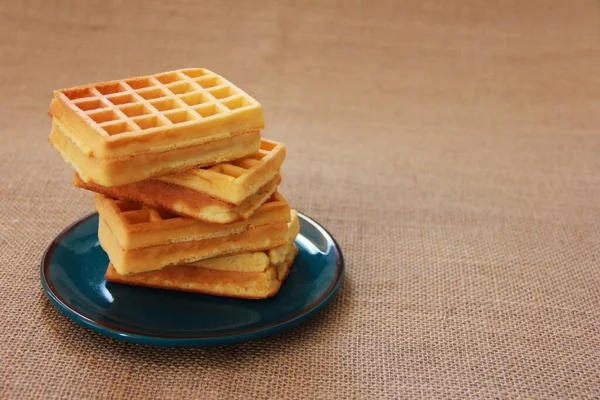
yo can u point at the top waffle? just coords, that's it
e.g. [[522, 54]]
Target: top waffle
[[155, 113]]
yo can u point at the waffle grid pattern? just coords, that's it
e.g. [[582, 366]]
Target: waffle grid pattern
[[158, 102], [135, 213], [237, 168]]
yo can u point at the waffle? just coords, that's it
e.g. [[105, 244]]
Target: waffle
[[161, 113], [157, 257], [124, 170], [136, 226], [232, 282], [184, 201], [212, 194], [234, 181], [181, 243]]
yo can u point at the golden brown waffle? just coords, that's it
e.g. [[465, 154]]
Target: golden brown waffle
[[184, 201], [211, 194], [171, 240], [224, 281], [234, 181], [123, 170], [157, 257], [136, 226], [161, 113]]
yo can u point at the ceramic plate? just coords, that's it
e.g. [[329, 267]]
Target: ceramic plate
[[72, 274]]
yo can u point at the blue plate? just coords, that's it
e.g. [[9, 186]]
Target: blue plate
[[72, 274]]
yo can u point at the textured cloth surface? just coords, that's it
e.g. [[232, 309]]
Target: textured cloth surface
[[451, 148]]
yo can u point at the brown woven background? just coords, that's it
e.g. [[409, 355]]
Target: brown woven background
[[452, 148]]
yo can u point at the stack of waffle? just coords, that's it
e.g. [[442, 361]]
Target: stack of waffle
[[185, 186]]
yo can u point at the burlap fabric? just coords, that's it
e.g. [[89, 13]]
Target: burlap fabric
[[451, 147]]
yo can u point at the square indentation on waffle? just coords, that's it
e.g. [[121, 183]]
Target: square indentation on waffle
[[104, 115], [117, 127], [239, 167], [91, 104], [135, 110], [183, 96], [135, 213]]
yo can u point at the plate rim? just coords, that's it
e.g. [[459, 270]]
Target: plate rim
[[189, 341]]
